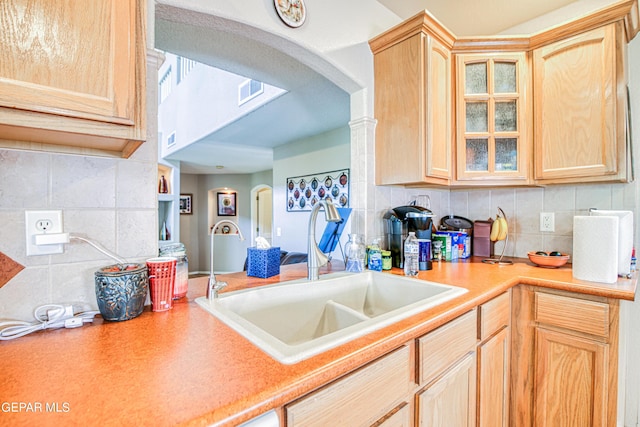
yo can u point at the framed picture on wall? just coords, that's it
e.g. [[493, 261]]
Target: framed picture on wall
[[185, 204], [303, 192], [226, 204]]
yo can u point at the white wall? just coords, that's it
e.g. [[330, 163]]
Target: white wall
[[329, 151], [203, 102]]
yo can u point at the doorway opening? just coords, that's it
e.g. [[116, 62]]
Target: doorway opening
[[262, 213]]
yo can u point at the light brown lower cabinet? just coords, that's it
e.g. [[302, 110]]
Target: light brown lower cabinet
[[432, 381], [402, 416], [529, 357], [450, 401], [494, 333], [565, 357], [362, 398], [447, 374]]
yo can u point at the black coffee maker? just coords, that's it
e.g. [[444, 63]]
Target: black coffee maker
[[398, 222]]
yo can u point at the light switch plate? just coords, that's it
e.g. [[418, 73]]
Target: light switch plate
[[42, 222]]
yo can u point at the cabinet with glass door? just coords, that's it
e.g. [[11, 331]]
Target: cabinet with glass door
[[493, 139]]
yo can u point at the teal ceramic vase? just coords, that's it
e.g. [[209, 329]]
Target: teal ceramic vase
[[121, 290]]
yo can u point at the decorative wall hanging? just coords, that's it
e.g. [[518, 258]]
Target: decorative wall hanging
[[292, 12], [226, 204], [303, 192], [185, 203]]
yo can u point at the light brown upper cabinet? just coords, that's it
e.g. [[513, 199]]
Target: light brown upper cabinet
[[72, 77], [538, 109], [580, 108], [413, 104], [493, 112]]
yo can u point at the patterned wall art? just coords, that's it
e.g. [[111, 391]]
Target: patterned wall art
[[303, 192]]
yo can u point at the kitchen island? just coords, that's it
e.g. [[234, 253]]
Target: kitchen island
[[185, 367]]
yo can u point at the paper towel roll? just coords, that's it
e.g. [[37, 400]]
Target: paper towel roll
[[625, 237], [595, 248]]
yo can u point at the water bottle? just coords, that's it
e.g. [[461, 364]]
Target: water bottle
[[411, 252], [354, 253], [375, 257]]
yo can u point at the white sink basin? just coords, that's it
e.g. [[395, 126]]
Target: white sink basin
[[294, 320]]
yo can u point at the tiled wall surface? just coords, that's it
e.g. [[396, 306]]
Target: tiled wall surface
[[522, 207], [110, 201], [113, 202]]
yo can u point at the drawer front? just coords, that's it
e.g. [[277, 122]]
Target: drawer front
[[399, 417], [360, 398], [590, 317], [441, 348], [494, 315]]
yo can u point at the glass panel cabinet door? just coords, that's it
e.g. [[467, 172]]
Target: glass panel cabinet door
[[492, 133], [505, 77], [476, 78], [477, 119], [477, 154], [506, 116]]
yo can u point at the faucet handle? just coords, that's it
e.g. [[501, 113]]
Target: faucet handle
[[214, 288]]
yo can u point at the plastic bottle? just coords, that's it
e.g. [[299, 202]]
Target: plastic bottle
[[354, 253], [411, 252], [375, 256]]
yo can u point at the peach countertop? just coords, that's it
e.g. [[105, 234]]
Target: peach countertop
[[185, 367]]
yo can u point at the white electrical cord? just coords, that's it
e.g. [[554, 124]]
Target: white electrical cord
[[99, 248], [48, 316]]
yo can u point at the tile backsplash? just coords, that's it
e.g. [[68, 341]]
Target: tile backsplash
[[110, 201], [522, 206]]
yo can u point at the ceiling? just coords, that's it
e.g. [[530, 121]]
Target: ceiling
[[476, 17], [313, 104]]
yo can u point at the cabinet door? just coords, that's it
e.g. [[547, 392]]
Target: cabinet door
[[579, 116], [493, 137], [450, 401], [413, 107], [69, 59], [438, 126], [493, 381], [73, 75], [571, 380]]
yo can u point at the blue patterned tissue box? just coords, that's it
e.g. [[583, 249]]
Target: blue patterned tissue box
[[263, 262]]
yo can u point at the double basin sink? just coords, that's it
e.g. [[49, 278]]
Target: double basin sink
[[292, 321]]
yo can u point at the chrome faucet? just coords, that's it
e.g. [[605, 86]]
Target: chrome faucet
[[214, 285], [315, 257]]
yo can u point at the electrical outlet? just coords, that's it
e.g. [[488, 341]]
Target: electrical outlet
[[42, 222], [547, 221]]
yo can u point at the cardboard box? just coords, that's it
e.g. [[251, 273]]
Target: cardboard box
[[446, 252], [263, 263], [456, 243]]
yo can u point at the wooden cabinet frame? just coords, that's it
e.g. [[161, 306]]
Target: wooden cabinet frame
[[552, 353], [519, 176], [75, 82], [407, 142], [413, 100], [580, 108]]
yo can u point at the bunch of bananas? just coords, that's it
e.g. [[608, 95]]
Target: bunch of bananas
[[499, 229]]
